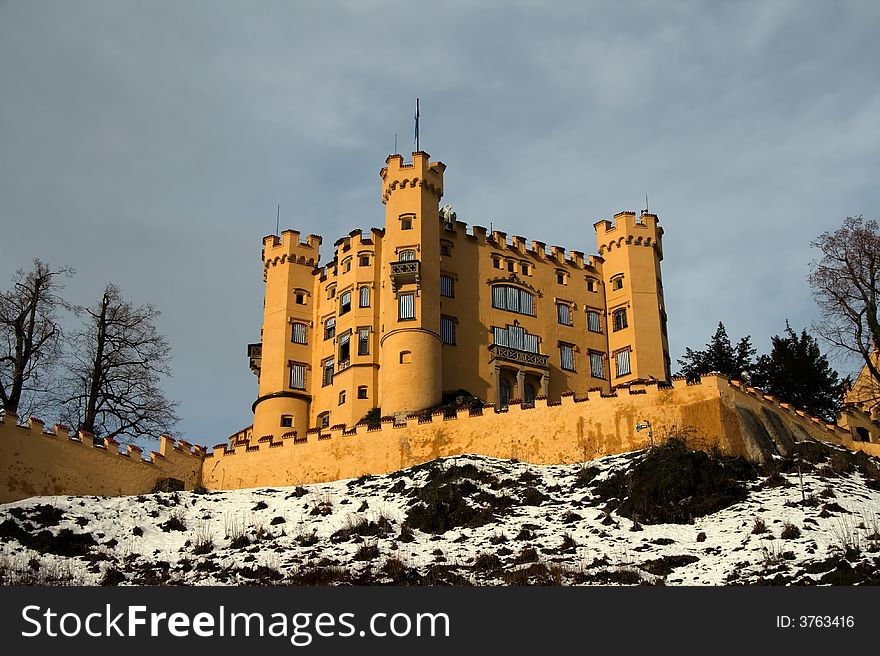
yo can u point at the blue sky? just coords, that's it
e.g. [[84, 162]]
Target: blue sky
[[148, 144]]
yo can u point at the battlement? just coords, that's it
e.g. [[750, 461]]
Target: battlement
[[628, 228], [419, 173], [289, 248]]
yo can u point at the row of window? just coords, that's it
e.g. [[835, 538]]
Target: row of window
[[597, 366]]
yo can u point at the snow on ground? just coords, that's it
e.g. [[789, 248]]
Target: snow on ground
[[511, 523]]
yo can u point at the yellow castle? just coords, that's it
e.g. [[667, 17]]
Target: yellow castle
[[424, 306]]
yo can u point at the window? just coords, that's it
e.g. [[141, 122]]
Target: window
[[619, 319], [286, 421], [496, 263], [597, 368], [406, 223], [406, 357], [515, 337], [566, 356], [346, 265], [594, 321], [298, 333], [617, 282], [331, 292], [560, 277], [445, 249], [591, 285], [365, 260], [362, 392], [622, 359], [563, 314], [344, 347], [324, 420], [524, 269], [513, 299], [345, 302], [511, 266], [447, 330], [341, 397], [407, 256], [327, 378], [363, 341], [297, 376], [330, 328], [406, 307], [300, 298], [504, 392], [529, 393], [364, 297], [863, 435], [447, 286]]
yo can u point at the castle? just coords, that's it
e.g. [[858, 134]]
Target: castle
[[424, 307]]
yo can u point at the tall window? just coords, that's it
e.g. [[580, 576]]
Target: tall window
[[406, 307], [344, 346], [597, 368], [594, 321], [513, 299], [515, 337], [363, 341], [327, 378], [298, 376], [504, 392], [566, 356], [617, 282], [447, 330], [619, 319], [341, 397], [591, 285], [563, 313], [345, 302], [407, 255], [524, 269], [622, 359], [346, 265], [298, 334], [330, 328], [365, 297], [447, 286]]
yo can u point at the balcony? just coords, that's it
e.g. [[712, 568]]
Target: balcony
[[508, 354], [255, 356], [405, 272]]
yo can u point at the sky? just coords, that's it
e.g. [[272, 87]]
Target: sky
[[149, 144]]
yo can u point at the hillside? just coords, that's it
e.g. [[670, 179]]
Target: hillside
[[670, 516]]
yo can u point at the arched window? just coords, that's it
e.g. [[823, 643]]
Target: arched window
[[407, 255], [324, 420], [619, 319]]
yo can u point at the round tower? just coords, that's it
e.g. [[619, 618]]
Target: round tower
[[410, 365], [283, 359]]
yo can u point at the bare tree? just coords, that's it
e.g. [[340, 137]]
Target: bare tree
[[114, 368], [846, 285], [30, 338]]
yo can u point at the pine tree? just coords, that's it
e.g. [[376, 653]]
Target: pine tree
[[796, 372], [719, 355]]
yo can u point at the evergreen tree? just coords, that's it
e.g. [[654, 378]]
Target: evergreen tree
[[719, 355], [796, 372]]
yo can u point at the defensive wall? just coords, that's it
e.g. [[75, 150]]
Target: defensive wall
[[714, 412]]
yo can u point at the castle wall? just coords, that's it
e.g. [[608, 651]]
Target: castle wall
[[714, 412], [37, 463]]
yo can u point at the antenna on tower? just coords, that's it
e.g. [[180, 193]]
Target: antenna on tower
[[395, 143], [278, 220], [416, 117], [646, 203]]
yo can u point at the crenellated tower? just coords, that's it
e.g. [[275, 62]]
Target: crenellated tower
[[631, 249], [282, 360], [410, 367]]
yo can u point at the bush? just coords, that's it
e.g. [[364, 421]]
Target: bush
[[790, 532]]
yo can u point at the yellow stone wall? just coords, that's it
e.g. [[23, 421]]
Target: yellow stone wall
[[37, 463]]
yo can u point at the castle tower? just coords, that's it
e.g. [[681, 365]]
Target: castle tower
[[283, 360], [632, 249], [410, 366]]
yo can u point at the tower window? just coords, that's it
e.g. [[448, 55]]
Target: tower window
[[324, 420], [345, 302], [344, 347], [298, 333], [327, 367], [566, 356], [594, 321], [591, 285], [447, 286], [346, 265], [407, 255], [342, 397], [406, 222], [331, 292], [362, 392], [525, 269], [406, 357], [445, 249], [300, 298], [286, 421], [619, 319], [365, 260], [447, 330], [363, 341], [297, 376], [563, 314], [617, 282], [364, 297], [597, 368], [330, 328], [622, 360], [406, 307]]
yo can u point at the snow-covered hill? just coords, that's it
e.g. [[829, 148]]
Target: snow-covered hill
[[474, 520]]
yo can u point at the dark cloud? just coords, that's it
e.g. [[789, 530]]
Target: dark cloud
[[149, 143]]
